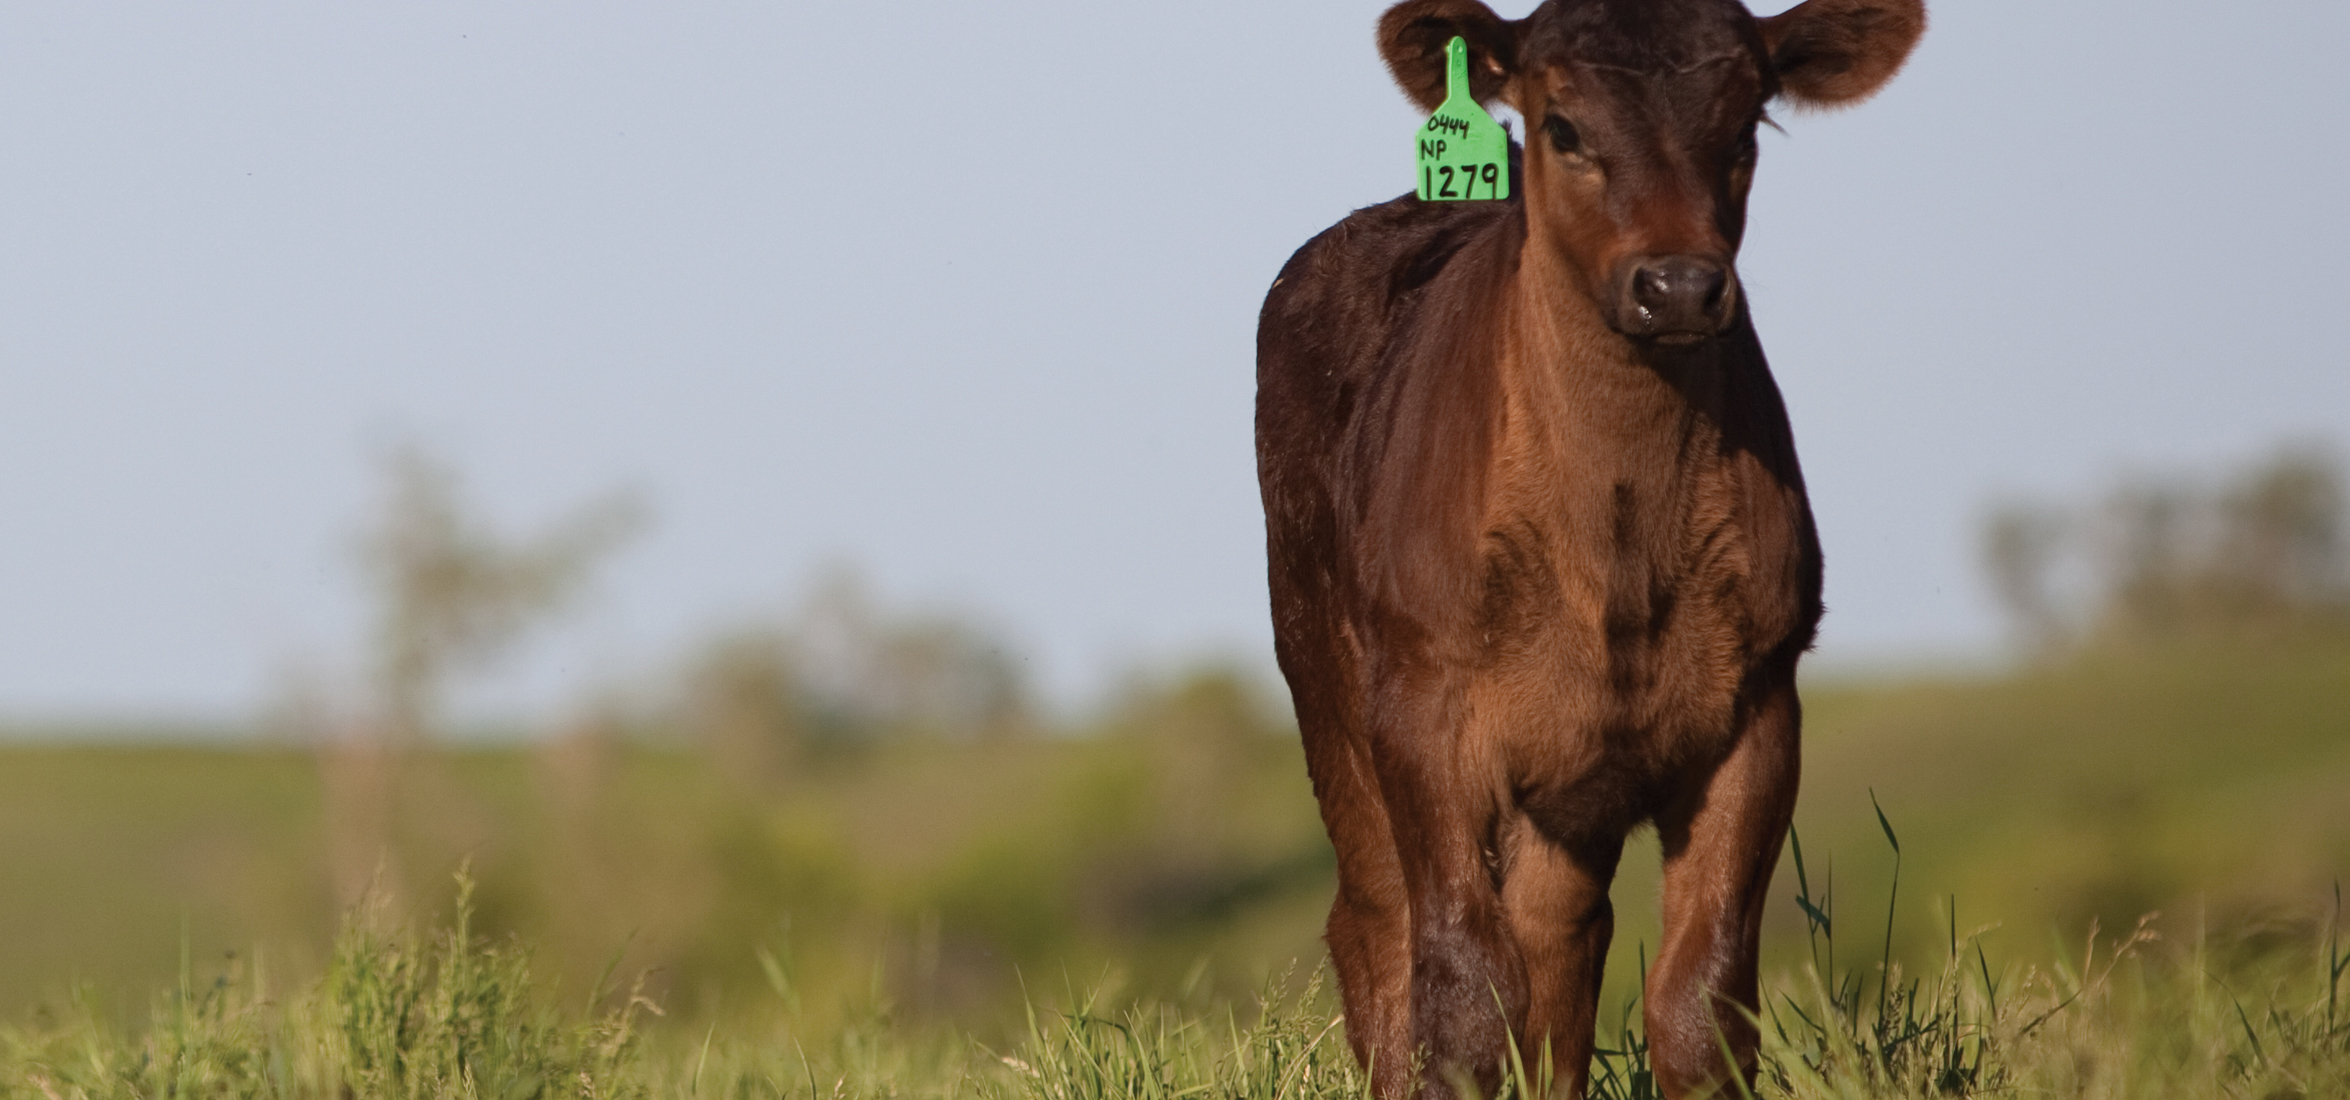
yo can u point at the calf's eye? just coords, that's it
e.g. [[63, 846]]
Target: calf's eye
[[1562, 134]]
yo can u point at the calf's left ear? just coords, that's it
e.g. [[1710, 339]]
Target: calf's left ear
[[1833, 53], [1412, 37]]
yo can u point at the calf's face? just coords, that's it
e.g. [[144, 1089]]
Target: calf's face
[[1641, 119]]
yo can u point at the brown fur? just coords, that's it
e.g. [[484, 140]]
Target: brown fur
[[1542, 564], [1828, 53]]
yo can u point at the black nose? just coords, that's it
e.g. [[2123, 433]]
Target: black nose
[[1677, 296]]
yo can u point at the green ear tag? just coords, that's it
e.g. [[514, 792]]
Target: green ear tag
[[1464, 154]]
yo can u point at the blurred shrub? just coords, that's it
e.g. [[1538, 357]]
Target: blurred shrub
[[919, 855], [744, 704], [846, 795], [843, 673], [2262, 551], [865, 671]]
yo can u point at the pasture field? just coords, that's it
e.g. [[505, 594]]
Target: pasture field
[[445, 1013], [899, 918]]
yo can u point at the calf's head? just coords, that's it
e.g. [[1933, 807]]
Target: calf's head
[[1640, 119]]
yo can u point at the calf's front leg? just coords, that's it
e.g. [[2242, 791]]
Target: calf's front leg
[[1468, 980], [1557, 900], [1721, 841], [1370, 932]]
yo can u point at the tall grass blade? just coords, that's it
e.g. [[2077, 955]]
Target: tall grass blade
[[1892, 901]]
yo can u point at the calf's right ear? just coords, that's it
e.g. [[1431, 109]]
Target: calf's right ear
[[1833, 53], [1412, 37]]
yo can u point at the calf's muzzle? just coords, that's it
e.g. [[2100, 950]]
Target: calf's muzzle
[[1676, 299]]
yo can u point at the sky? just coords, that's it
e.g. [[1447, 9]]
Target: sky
[[964, 296]]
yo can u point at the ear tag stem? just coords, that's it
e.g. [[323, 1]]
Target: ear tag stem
[[1463, 153]]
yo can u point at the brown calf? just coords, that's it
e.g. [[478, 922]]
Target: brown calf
[[1541, 560]]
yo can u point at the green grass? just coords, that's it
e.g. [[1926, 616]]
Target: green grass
[[953, 866], [2107, 787], [895, 914], [448, 1013]]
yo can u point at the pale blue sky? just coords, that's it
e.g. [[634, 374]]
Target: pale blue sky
[[966, 293]]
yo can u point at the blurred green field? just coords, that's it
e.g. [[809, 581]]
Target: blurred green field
[[1171, 849]]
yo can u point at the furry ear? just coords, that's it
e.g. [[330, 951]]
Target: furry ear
[[1834, 53], [1412, 37]]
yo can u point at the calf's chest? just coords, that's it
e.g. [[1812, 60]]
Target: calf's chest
[[1630, 589]]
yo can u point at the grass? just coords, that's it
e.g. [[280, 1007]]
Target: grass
[[395, 1015], [447, 1012], [863, 925], [956, 866]]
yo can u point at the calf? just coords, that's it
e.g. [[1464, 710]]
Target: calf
[[1540, 556]]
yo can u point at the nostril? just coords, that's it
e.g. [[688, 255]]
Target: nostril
[[1712, 284], [1652, 287]]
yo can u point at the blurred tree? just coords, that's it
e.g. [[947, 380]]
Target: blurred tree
[[2020, 545], [868, 672], [1216, 705], [843, 672], [450, 597], [2265, 550], [2284, 525], [744, 703]]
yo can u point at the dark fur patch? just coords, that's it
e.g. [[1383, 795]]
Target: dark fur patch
[[1639, 35]]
